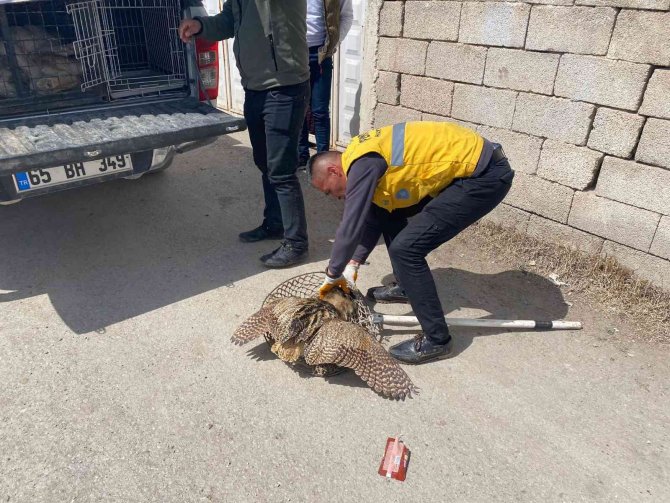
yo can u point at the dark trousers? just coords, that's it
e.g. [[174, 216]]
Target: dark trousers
[[438, 220], [274, 118], [321, 78]]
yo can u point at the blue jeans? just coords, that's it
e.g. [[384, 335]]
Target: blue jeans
[[321, 78], [274, 118]]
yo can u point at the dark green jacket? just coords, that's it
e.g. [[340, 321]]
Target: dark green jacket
[[270, 40], [332, 14]]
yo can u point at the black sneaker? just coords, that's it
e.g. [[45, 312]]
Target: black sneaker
[[284, 256], [420, 349], [391, 294], [261, 233]]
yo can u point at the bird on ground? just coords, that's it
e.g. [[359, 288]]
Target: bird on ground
[[324, 332]]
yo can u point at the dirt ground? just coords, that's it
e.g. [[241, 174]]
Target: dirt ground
[[120, 384]]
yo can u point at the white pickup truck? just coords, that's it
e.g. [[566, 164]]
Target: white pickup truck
[[95, 90]]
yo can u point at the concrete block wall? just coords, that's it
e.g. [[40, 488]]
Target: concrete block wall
[[578, 93]]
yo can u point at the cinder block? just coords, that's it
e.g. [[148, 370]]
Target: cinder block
[[501, 24], [390, 19], [386, 115], [402, 55], [537, 195], [580, 30], [388, 87], [441, 118], [521, 70], [635, 184], [568, 165], [539, 2], [616, 221], [657, 96], [425, 94], [522, 150], [654, 146], [493, 107], [555, 118], [615, 132], [458, 62], [661, 244], [642, 36], [553, 232], [509, 217], [634, 4], [601, 80], [436, 20], [653, 269]]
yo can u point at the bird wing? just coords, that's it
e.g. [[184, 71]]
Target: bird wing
[[349, 345], [260, 323], [299, 318]]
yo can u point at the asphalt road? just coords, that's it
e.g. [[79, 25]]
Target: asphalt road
[[119, 382]]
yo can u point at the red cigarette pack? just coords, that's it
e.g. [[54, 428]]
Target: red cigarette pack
[[395, 460]]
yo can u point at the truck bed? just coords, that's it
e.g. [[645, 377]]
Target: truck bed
[[47, 141]]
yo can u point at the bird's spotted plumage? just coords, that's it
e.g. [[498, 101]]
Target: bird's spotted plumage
[[319, 331]]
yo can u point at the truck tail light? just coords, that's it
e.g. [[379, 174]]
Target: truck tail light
[[208, 64]]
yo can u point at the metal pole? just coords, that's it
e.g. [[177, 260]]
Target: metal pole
[[412, 321]]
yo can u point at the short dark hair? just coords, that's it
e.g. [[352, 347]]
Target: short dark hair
[[316, 160]]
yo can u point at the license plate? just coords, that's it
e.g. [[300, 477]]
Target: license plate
[[59, 175]]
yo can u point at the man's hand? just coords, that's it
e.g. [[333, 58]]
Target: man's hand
[[351, 273], [188, 28], [330, 283]]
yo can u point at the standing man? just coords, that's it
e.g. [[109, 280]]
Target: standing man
[[328, 22], [444, 176], [271, 52]]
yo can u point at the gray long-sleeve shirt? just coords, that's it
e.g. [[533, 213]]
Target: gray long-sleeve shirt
[[362, 181]]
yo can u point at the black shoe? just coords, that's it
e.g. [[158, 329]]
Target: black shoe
[[390, 294], [261, 233], [302, 161], [284, 256], [420, 349]]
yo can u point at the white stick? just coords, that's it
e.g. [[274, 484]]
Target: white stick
[[412, 321]]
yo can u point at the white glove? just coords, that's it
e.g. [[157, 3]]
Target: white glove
[[330, 283], [350, 273]]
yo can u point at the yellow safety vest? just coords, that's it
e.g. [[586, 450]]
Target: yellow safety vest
[[422, 157]]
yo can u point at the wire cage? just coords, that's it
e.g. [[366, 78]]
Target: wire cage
[[100, 49], [36, 52], [132, 46], [307, 285]]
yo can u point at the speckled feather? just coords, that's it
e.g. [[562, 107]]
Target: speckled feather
[[315, 329], [349, 345]]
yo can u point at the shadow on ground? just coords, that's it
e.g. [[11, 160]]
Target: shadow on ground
[[512, 294], [113, 251]]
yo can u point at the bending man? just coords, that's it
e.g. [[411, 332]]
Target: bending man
[[418, 184]]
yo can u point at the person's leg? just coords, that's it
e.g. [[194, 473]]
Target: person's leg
[[314, 75], [303, 145], [284, 116], [390, 226], [321, 104], [271, 227], [458, 206]]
